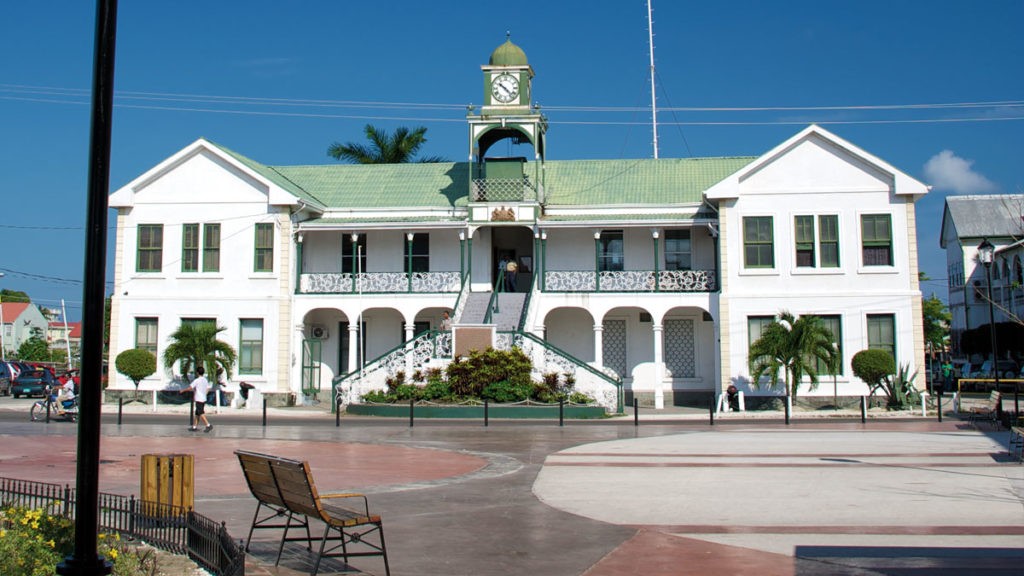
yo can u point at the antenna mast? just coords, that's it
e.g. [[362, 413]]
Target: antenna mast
[[654, 101]]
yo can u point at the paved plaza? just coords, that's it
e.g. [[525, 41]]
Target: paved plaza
[[671, 496]]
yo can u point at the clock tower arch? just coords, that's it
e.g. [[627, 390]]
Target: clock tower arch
[[507, 114]]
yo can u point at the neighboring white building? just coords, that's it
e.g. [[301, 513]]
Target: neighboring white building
[[652, 273], [19, 321], [966, 222]]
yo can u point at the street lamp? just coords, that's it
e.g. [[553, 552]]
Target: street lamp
[[985, 254]]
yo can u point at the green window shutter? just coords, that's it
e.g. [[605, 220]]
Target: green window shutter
[[264, 247], [146, 334], [190, 247], [149, 256], [758, 242], [211, 248], [250, 346], [804, 236], [828, 234], [876, 239], [882, 332]]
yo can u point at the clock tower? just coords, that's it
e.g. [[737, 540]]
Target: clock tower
[[507, 114]]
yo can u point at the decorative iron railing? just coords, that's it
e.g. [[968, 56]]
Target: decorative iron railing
[[171, 528], [605, 386], [629, 281], [379, 282], [503, 190], [413, 355]]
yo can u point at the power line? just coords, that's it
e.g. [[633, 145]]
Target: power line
[[81, 97]]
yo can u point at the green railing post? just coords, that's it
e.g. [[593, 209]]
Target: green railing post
[[543, 257], [462, 256], [657, 279], [298, 264], [408, 258]]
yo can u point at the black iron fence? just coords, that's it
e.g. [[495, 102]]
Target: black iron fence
[[171, 528]]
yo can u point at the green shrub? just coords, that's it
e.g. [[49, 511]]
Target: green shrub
[[437, 389], [469, 376], [136, 364], [872, 366], [33, 541], [581, 398], [506, 391], [406, 392], [378, 396]]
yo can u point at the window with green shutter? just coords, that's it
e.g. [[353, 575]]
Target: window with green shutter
[[190, 247], [876, 239], [882, 333], [211, 248], [611, 251], [678, 254], [250, 346], [828, 240], [150, 249], [264, 251], [758, 242], [804, 236], [146, 334], [420, 258]]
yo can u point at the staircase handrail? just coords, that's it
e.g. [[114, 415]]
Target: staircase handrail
[[525, 313], [613, 380], [460, 302]]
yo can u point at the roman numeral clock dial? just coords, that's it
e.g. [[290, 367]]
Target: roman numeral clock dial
[[505, 88]]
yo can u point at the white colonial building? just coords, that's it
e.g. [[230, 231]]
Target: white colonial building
[[645, 278], [967, 221]]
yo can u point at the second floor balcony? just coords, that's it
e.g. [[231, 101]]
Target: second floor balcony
[[629, 281], [379, 282]]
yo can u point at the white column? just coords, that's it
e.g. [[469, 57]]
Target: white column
[[353, 346], [659, 369], [599, 345], [410, 331]]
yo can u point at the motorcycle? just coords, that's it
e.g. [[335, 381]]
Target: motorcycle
[[64, 410]]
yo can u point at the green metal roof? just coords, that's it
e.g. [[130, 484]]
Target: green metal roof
[[568, 183], [508, 54], [620, 216], [273, 175], [631, 182], [425, 185]]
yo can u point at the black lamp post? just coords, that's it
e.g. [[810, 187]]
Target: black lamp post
[[985, 254]]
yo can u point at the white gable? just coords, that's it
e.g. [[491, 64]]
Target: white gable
[[815, 165], [202, 178], [200, 174], [814, 161]]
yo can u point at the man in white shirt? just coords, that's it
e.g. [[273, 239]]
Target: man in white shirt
[[201, 387]]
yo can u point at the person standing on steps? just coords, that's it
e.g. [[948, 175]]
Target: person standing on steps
[[200, 387]]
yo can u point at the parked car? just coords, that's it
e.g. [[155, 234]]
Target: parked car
[[32, 383], [6, 377]]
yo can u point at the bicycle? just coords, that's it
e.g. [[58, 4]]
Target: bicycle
[[48, 404]]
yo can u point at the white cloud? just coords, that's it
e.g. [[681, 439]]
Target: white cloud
[[947, 171]]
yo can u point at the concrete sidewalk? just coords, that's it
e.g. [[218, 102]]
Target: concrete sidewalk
[[603, 498]]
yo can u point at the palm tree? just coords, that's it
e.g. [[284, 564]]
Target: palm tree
[[384, 148], [196, 344], [794, 347]]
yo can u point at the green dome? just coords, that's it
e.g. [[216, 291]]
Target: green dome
[[508, 54]]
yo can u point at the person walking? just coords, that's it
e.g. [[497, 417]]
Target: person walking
[[200, 388]]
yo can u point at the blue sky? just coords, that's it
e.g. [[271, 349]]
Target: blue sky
[[280, 81]]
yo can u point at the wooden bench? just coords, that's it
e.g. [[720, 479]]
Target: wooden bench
[[272, 509], [1017, 443], [987, 411], [286, 488]]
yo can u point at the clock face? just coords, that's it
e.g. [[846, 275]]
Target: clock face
[[505, 88]]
